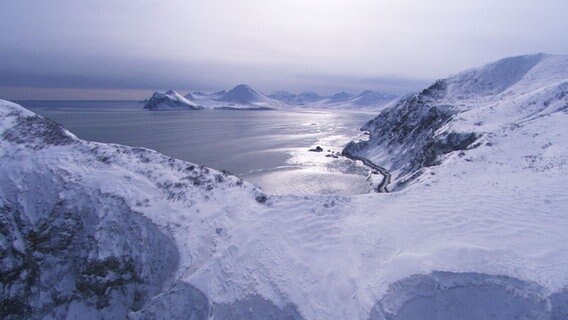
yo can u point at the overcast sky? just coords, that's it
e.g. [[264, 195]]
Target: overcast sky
[[124, 49]]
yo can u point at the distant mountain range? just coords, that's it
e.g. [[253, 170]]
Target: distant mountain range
[[367, 98], [243, 97]]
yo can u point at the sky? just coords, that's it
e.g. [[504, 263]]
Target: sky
[[126, 49]]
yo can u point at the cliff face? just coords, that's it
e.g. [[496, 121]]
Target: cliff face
[[410, 136]]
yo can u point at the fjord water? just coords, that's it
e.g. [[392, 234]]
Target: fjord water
[[267, 148]]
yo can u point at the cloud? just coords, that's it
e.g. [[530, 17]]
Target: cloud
[[313, 44]]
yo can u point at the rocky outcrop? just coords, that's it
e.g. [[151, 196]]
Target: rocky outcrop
[[410, 134], [74, 256]]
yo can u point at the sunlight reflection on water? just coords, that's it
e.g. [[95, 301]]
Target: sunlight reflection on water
[[268, 148]]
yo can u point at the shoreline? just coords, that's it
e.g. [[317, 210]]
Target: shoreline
[[382, 186]]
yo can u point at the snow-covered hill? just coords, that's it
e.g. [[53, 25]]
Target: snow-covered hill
[[99, 230], [81, 232], [468, 110], [170, 100], [244, 97]]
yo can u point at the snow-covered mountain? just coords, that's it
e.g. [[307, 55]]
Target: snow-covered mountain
[[342, 100], [81, 232], [306, 97], [170, 100], [93, 230], [462, 112], [339, 97], [244, 97], [241, 97], [303, 98], [371, 98], [218, 94], [367, 99], [283, 96], [189, 96]]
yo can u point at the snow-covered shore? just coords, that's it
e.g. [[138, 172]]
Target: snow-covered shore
[[110, 231]]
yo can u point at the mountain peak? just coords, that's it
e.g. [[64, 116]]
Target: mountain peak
[[242, 94], [340, 96], [243, 88]]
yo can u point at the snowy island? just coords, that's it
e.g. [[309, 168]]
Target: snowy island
[[243, 97], [170, 100], [475, 225]]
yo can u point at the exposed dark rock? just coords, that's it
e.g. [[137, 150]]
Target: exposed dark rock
[[37, 132], [261, 198], [410, 132], [64, 258]]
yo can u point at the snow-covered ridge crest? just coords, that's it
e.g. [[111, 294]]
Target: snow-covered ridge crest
[[491, 79], [418, 130], [242, 94], [244, 97], [170, 100]]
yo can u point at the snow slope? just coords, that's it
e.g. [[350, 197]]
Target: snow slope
[[481, 234], [170, 100]]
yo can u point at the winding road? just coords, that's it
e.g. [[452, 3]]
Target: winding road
[[382, 186]]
